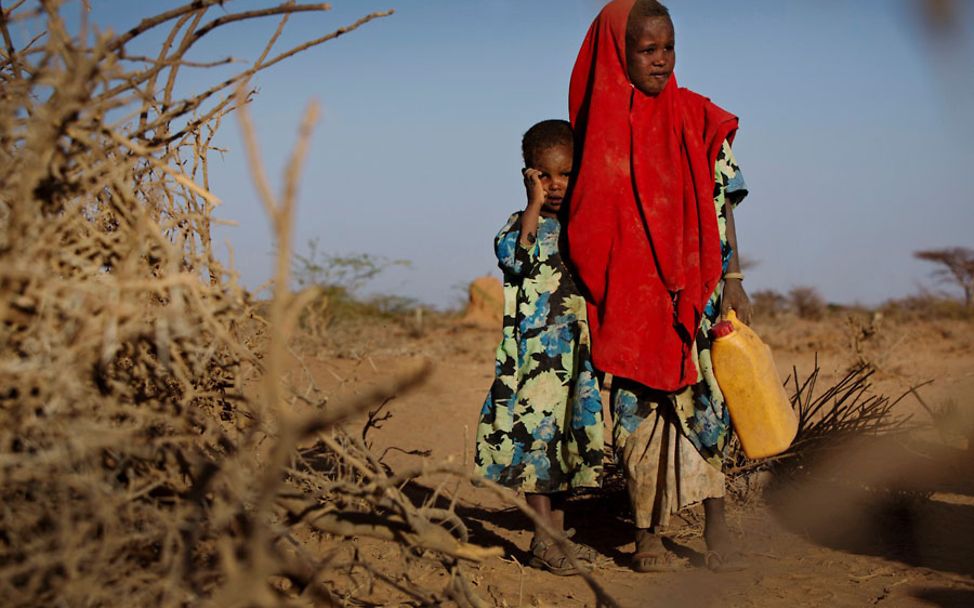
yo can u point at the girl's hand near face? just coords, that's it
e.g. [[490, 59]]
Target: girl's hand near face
[[534, 187], [536, 196]]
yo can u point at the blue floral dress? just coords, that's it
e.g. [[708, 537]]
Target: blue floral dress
[[541, 426]]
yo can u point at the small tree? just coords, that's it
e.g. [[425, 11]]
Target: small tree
[[807, 303], [957, 267]]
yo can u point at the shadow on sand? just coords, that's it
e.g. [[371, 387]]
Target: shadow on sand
[[911, 503], [945, 598], [600, 519], [907, 502]]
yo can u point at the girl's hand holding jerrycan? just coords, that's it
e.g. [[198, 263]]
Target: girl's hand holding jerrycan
[[760, 411]]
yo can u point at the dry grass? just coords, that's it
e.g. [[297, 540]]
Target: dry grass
[[150, 452]]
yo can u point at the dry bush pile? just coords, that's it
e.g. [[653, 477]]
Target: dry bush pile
[[846, 411], [149, 452]]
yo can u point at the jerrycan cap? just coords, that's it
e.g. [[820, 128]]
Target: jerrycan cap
[[722, 329]]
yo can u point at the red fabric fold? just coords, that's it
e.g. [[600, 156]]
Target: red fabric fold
[[642, 230]]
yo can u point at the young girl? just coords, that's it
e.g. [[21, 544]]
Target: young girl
[[653, 241], [540, 429]]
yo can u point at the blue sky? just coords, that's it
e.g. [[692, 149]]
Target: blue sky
[[854, 139]]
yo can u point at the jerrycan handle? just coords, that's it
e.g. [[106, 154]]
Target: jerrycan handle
[[731, 317]]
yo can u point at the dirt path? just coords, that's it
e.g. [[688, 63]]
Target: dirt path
[[827, 545]]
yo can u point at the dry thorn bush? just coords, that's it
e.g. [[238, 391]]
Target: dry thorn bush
[[150, 453], [848, 410]]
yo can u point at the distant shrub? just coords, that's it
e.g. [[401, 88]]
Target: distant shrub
[[394, 305], [350, 272], [768, 304], [807, 303], [927, 307], [338, 279]]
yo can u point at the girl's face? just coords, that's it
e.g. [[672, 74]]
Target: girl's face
[[555, 165], [650, 54]]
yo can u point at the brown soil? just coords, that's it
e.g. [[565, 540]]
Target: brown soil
[[878, 524]]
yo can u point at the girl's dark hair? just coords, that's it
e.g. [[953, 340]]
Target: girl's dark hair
[[646, 9], [544, 135]]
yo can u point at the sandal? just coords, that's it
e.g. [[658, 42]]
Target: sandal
[[658, 561], [651, 555], [546, 555], [583, 552], [731, 561]]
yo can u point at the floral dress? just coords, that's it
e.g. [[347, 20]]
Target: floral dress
[[700, 409], [541, 426]]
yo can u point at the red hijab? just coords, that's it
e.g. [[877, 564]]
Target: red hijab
[[642, 229]]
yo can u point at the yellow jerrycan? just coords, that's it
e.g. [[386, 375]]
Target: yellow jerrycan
[[760, 411]]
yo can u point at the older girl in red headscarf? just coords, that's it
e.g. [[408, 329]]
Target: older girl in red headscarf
[[651, 235]]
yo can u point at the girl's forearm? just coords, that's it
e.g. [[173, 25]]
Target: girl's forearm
[[529, 224], [733, 297], [734, 264]]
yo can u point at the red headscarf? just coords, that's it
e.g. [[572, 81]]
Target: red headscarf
[[642, 230]]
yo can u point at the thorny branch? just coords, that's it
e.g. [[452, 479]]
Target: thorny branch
[[138, 465], [154, 449], [847, 409]]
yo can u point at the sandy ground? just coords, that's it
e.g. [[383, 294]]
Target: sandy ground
[[882, 526]]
